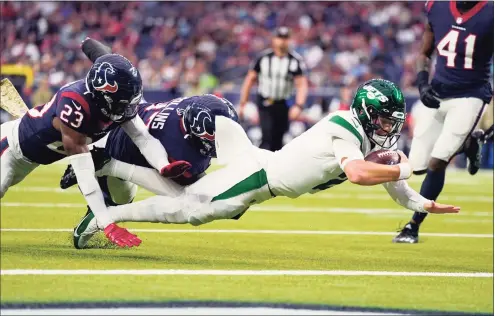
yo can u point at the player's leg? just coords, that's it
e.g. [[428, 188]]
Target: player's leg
[[462, 116], [266, 123], [14, 167], [280, 122], [428, 125], [222, 194], [474, 144], [7, 166]]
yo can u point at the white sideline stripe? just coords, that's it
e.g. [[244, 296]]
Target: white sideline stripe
[[265, 208], [253, 231], [248, 273], [358, 195]]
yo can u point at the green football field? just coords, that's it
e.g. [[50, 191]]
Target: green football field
[[332, 248]]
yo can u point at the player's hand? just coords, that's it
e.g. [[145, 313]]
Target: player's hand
[[175, 169], [437, 208], [121, 236], [403, 157], [428, 96], [240, 111]]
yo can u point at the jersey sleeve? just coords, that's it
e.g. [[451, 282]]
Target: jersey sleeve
[[255, 65], [73, 111], [299, 67]]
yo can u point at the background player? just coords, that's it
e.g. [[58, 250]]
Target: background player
[[462, 34], [326, 155], [79, 113], [184, 126]]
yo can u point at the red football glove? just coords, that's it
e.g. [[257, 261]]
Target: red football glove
[[175, 169], [121, 236]]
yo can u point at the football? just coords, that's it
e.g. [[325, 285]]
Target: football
[[384, 157]]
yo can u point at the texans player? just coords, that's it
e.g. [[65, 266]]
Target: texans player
[[462, 34], [184, 126], [79, 113]]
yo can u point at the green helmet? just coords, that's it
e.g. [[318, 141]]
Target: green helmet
[[378, 99]]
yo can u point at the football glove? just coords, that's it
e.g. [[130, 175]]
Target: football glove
[[121, 236], [175, 169]]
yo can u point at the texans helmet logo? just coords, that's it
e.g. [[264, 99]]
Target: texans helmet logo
[[198, 127], [100, 81]]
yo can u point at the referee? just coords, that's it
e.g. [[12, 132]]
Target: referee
[[278, 71]]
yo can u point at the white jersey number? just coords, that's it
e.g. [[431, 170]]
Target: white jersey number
[[447, 47]]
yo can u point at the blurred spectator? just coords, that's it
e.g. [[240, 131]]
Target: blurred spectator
[[43, 93]]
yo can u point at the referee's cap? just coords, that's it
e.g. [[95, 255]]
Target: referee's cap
[[283, 32]]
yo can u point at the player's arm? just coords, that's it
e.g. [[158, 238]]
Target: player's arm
[[301, 85], [363, 172], [94, 49], [152, 149], [427, 95], [405, 196]]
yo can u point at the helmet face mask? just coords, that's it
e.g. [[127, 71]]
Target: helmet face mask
[[116, 87], [381, 109]]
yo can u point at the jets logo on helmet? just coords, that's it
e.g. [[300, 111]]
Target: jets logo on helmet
[[100, 81], [198, 126]]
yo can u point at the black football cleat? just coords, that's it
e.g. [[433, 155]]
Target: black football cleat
[[407, 235], [473, 151]]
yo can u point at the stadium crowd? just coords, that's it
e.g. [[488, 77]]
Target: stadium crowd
[[196, 46]]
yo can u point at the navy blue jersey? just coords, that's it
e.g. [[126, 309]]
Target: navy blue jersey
[[41, 143], [164, 121], [464, 45]]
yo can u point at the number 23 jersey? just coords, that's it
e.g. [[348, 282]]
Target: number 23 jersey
[[41, 143]]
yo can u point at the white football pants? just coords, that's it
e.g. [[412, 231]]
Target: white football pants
[[440, 133]]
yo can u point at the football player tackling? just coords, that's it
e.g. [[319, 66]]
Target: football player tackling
[[79, 113], [329, 153], [462, 34]]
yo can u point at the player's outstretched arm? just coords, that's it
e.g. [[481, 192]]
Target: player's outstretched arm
[[405, 196], [363, 172], [82, 162], [153, 150]]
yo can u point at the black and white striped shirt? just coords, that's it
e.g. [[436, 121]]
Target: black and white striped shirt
[[276, 74]]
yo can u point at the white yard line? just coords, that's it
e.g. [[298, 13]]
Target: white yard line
[[265, 208], [190, 310], [254, 231], [249, 273]]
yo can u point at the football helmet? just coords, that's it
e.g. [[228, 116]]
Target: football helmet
[[199, 120], [116, 87], [376, 104]]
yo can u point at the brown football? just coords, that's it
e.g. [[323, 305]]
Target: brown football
[[384, 157]]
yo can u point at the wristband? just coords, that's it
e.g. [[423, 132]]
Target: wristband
[[405, 171]]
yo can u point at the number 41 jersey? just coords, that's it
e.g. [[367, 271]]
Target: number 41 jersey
[[41, 143], [464, 45]]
